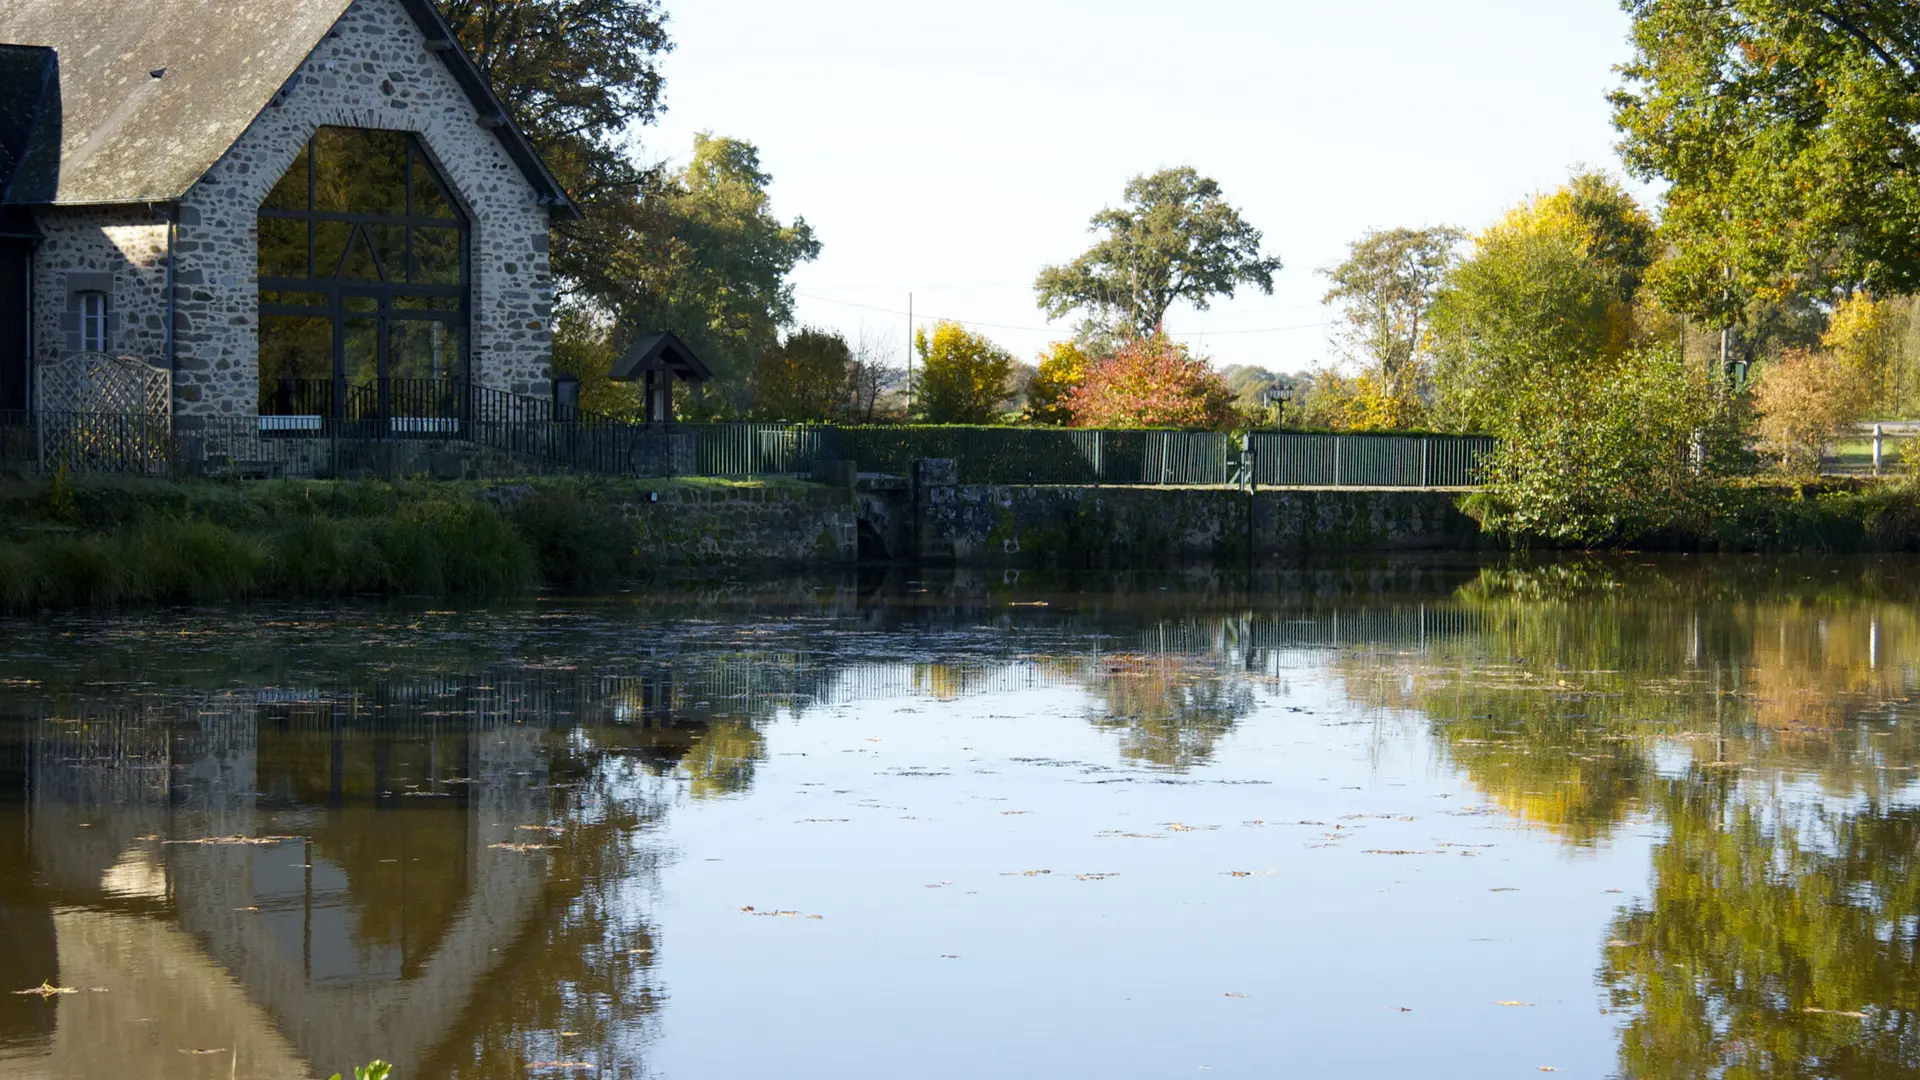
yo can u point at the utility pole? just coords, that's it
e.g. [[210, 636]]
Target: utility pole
[[909, 356]]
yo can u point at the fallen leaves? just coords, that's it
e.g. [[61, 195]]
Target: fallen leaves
[[1094, 877], [1024, 873], [1234, 995], [1515, 1004], [1399, 851], [257, 841], [1835, 1012], [776, 914], [1250, 873], [521, 847], [46, 990]]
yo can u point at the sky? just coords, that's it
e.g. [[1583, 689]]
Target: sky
[[949, 151]]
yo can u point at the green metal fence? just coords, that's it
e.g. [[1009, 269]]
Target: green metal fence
[[537, 441]]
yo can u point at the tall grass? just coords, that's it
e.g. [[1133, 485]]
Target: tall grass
[[430, 547]]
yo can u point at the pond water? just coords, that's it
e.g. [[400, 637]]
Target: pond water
[[1599, 818]]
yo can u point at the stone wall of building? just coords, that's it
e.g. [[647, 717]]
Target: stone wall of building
[[373, 70], [118, 251]]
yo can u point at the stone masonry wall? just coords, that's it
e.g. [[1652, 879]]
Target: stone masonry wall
[[744, 528], [1145, 528], [121, 252], [372, 70]]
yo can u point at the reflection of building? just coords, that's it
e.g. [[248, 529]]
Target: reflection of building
[[363, 936]]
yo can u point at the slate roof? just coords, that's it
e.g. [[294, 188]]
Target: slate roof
[[663, 351], [129, 135]]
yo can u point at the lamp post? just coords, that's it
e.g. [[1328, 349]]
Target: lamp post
[[1278, 396]]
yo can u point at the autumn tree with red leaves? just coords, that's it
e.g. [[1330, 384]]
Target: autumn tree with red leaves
[[1151, 382]]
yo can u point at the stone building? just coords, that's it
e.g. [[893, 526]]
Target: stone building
[[283, 205]]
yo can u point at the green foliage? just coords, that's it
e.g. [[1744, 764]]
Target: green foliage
[[1177, 238], [804, 378], [583, 348], [1385, 289], [377, 1070], [962, 377], [718, 275], [1547, 289], [577, 539], [1606, 455], [578, 76], [1785, 133]]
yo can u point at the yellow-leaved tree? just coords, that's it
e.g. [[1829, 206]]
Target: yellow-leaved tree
[[1062, 366], [962, 377]]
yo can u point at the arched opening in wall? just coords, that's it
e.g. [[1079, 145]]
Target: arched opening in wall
[[363, 275]]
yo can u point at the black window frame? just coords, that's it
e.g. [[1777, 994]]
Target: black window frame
[[334, 290]]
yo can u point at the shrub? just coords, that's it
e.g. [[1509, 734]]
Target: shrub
[[1608, 456], [575, 540], [1152, 382], [1805, 400]]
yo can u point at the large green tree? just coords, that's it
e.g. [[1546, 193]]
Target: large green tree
[[804, 378], [1788, 132], [1176, 238], [1384, 289], [579, 76], [719, 275]]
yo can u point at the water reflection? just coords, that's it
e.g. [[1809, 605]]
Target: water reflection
[[283, 844]]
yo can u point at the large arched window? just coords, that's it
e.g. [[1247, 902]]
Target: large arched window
[[363, 281]]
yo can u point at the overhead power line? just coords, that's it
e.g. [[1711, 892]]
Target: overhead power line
[[1052, 329]]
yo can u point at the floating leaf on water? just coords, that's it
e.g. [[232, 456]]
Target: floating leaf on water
[[1398, 851], [256, 840], [1014, 813], [1094, 877], [1516, 1004], [1398, 1008], [46, 989], [822, 821], [521, 847], [1504, 888], [1234, 995], [1024, 873], [1835, 1012], [777, 914]]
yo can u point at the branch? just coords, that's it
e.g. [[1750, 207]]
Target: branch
[[1845, 25]]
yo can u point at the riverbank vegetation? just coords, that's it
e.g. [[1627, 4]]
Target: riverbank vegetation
[[106, 543]]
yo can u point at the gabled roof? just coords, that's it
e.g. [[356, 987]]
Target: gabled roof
[[660, 352], [153, 92]]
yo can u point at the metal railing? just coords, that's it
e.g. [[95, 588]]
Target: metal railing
[[531, 434]]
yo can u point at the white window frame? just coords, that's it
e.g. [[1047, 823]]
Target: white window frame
[[93, 320]]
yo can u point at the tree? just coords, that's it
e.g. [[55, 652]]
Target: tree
[[873, 382], [1151, 382], [578, 76], [1807, 399], [720, 281], [1787, 133], [1548, 289], [1062, 366], [962, 378], [1364, 402], [1175, 239], [1385, 289], [803, 378]]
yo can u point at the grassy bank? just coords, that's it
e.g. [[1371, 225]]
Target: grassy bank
[[103, 543]]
